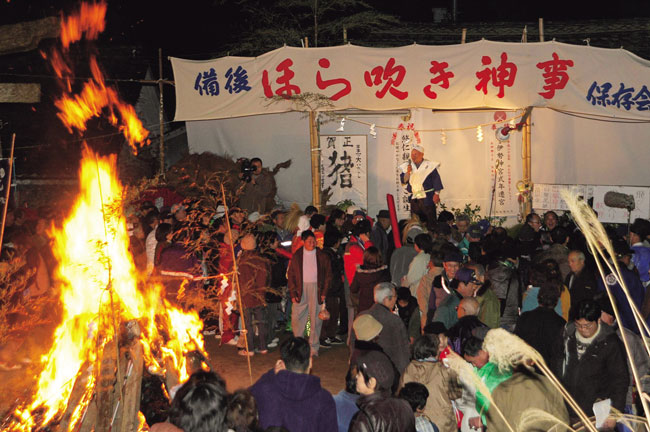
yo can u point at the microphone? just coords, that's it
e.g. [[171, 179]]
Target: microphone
[[619, 200]]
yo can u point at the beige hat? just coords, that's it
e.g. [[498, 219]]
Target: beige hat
[[366, 327]]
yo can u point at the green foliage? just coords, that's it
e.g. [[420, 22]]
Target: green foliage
[[474, 213], [343, 205]]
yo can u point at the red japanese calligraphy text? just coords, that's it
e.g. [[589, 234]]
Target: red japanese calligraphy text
[[323, 84]]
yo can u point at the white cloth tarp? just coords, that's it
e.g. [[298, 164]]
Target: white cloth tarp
[[465, 162], [572, 151], [499, 75]]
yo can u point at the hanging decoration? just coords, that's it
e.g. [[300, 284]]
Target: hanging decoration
[[443, 138], [479, 133], [342, 127], [373, 132]]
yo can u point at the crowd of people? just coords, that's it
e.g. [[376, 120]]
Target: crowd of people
[[403, 310]]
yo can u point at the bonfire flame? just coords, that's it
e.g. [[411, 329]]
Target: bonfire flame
[[99, 282], [99, 286], [76, 109], [89, 21]]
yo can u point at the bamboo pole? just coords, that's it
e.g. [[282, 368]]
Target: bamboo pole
[[463, 36], [315, 160], [4, 210], [161, 114], [235, 281], [541, 29], [526, 163]]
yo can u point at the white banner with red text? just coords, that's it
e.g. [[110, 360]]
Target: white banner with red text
[[499, 75]]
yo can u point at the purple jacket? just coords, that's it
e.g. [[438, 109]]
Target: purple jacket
[[294, 401]]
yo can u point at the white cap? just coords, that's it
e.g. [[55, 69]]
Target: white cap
[[418, 148], [254, 217]]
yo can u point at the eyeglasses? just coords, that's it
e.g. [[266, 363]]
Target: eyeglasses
[[585, 326]]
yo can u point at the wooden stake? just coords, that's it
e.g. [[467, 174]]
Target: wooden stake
[[524, 36], [541, 29], [4, 210], [235, 281], [463, 36], [132, 389], [345, 35]]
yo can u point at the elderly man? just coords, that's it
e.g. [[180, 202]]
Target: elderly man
[[393, 338], [422, 181], [468, 324], [581, 281]]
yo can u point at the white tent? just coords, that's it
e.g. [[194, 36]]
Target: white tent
[[589, 125]]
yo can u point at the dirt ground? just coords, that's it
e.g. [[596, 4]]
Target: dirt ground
[[18, 382], [331, 365]]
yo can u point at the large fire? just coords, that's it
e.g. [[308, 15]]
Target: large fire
[[95, 98], [100, 290]]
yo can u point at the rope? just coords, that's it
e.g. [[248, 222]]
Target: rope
[[438, 130]]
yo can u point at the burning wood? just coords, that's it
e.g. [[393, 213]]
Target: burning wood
[[114, 321], [100, 291]]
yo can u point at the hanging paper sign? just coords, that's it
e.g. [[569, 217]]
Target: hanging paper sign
[[402, 142], [504, 201], [344, 168], [549, 196]]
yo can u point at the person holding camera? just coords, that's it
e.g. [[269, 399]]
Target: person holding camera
[[258, 187]]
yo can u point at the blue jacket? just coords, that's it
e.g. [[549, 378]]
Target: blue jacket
[[294, 401], [641, 260], [346, 408], [636, 290]]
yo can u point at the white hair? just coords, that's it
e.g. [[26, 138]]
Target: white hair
[[579, 254], [383, 290]]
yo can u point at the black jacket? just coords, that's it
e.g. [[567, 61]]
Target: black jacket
[[336, 261], [380, 413], [600, 373], [542, 329], [363, 285], [584, 286]]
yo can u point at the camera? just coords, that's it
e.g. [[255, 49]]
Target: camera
[[247, 169]]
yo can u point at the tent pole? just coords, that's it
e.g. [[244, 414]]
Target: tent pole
[[526, 137], [315, 160]]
